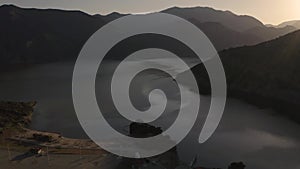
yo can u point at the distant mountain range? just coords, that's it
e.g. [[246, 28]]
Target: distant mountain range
[[267, 74], [294, 23], [226, 29], [49, 35], [226, 18]]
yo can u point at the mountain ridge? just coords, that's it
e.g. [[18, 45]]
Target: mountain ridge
[[227, 18], [294, 23], [33, 35]]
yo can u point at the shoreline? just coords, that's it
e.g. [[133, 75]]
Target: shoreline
[[16, 116], [24, 141]]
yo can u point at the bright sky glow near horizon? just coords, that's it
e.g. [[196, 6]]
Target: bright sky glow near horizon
[[267, 11]]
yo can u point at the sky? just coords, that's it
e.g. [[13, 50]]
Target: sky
[[267, 11]]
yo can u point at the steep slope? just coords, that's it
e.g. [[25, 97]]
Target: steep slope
[[267, 74]]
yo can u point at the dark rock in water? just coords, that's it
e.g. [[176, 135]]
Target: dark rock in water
[[239, 165], [142, 130], [167, 160]]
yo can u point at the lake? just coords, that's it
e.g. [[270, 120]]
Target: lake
[[260, 138]]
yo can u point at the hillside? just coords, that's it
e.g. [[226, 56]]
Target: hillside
[[223, 37], [226, 18], [295, 23], [267, 74], [269, 33], [50, 35], [33, 35], [244, 30]]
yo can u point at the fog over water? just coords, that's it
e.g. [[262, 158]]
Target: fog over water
[[259, 137]]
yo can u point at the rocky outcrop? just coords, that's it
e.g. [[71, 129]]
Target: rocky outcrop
[[15, 114]]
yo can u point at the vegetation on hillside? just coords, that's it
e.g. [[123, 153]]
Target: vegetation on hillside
[[267, 74], [15, 115]]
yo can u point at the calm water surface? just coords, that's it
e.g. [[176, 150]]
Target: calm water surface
[[260, 138]]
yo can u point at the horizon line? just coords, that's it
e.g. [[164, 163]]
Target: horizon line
[[147, 12]]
